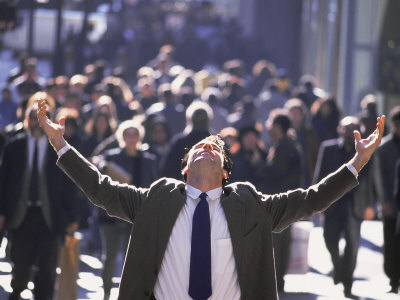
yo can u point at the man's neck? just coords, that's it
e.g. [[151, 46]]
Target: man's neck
[[203, 184]]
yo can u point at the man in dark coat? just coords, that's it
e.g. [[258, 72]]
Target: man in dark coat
[[388, 154], [198, 116], [239, 263], [283, 173], [346, 215], [37, 207]]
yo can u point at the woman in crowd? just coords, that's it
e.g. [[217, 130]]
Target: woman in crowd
[[101, 125], [127, 163]]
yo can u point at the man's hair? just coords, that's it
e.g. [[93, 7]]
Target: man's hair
[[211, 95], [349, 120], [164, 91], [51, 104], [78, 79], [227, 163], [280, 118], [199, 114], [71, 116], [296, 103]]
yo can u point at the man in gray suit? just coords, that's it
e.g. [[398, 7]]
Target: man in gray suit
[[345, 216], [238, 261], [37, 208]]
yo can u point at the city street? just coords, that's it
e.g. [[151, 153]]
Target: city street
[[370, 281], [282, 84]]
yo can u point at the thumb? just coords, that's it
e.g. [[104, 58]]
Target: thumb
[[61, 121], [357, 135]]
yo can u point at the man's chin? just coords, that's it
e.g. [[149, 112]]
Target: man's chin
[[208, 161]]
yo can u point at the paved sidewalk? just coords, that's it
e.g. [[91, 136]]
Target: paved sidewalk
[[370, 284]]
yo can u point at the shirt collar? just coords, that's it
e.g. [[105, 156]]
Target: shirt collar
[[194, 193]]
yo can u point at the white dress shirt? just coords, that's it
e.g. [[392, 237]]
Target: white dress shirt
[[42, 148], [173, 278]]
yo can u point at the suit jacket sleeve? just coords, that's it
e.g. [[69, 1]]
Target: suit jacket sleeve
[[119, 200], [299, 204]]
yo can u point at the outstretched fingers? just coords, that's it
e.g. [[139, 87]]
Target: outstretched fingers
[[374, 139], [378, 133], [357, 135], [380, 126], [41, 111], [61, 121]]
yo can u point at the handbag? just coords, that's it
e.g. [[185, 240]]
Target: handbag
[[298, 263], [67, 288]]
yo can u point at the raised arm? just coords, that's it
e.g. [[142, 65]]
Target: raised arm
[[54, 131], [366, 147], [119, 200]]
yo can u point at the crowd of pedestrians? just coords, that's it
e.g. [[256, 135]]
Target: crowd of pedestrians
[[135, 106]]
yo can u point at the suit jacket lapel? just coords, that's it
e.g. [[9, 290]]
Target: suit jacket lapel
[[234, 210], [169, 210]]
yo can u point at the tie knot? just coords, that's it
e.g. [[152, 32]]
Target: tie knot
[[203, 196]]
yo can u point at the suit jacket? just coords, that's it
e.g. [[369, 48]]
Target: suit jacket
[[331, 156], [284, 170], [61, 191], [147, 172], [397, 197], [308, 140], [251, 218], [388, 153]]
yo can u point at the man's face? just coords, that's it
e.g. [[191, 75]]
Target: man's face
[[396, 128], [296, 117], [206, 150], [274, 131], [33, 125], [131, 138], [73, 102], [347, 133], [250, 141], [77, 88], [159, 135], [205, 154], [147, 90], [30, 71], [70, 129]]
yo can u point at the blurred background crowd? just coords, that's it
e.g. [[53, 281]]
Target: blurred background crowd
[[284, 86]]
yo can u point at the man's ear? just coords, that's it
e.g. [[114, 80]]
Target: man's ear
[[225, 174], [185, 170]]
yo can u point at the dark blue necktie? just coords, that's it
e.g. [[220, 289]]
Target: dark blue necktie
[[200, 256], [34, 180]]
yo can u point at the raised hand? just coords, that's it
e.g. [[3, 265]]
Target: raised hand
[[54, 131], [366, 147]]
